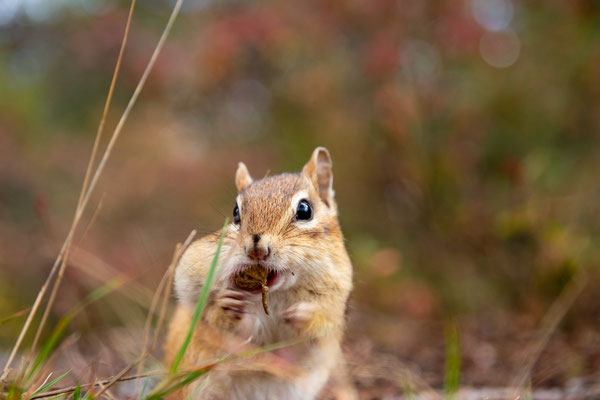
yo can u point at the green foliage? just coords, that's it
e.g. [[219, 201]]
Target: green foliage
[[49, 346], [177, 380], [77, 392], [29, 371], [142, 394], [452, 364], [408, 391], [180, 381], [14, 316], [51, 383], [200, 304], [58, 332]]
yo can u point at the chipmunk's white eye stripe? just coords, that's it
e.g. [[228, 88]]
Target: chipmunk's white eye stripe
[[301, 195], [238, 201], [309, 224], [237, 219]]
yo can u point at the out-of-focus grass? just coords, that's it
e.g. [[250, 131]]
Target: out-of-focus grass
[[14, 316], [58, 332], [23, 386], [48, 385], [201, 302], [168, 386], [452, 362], [174, 380], [23, 380]]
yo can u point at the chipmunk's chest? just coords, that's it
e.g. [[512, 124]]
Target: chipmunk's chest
[[270, 329]]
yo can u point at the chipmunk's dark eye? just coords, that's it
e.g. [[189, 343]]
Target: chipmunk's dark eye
[[236, 214], [304, 211]]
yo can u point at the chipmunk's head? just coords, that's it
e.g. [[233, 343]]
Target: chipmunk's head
[[284, 223]]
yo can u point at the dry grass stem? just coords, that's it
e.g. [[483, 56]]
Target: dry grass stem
[[167, 295], [98, 269], [80, 207], [71, 389], [549, 323], [34, 308], [92, 220], [92, 184], [104, 393], [46, 368], [84, 189], [164, 286], [391, 368], [104, 387]]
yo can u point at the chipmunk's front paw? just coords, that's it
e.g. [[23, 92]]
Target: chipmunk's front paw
[[232, 303], [230, 311], [301, 316]]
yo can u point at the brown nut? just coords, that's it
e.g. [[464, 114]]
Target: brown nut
[[253, 279]]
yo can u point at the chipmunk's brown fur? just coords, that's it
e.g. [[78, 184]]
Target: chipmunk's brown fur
[[307, 296]]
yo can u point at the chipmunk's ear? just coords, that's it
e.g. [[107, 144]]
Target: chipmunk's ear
[[318, 170], [242, 177]]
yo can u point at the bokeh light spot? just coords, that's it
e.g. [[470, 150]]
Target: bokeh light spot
[[41, 10], [8, 11], [420, 62], [500, 49], [493, 15]]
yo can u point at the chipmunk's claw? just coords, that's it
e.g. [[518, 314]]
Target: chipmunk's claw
[[233, 302], [300, 315]]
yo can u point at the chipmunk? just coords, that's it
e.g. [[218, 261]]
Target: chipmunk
[[288, 225]]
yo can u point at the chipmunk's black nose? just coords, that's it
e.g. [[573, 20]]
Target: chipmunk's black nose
[[257, 251]]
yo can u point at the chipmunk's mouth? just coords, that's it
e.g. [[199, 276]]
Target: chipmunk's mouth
[[272, 278]]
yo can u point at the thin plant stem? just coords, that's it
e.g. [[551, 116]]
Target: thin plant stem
[[104, 382], [163, 286], [93, 182], [553, 316], [86, 178]]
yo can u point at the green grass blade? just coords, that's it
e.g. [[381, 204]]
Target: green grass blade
[[528, 392], [50, 344], [14, 316], [200, 304], [188, 378], [194, 394], [408, 391], [452, 367], [77, 392], [99, 293], [167, 385], [14, 392], [50, 384], [144, 388]]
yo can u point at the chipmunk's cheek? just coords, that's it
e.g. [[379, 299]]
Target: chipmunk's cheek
[[286, 280]]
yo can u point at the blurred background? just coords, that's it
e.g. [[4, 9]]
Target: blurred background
[[464, 136]]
